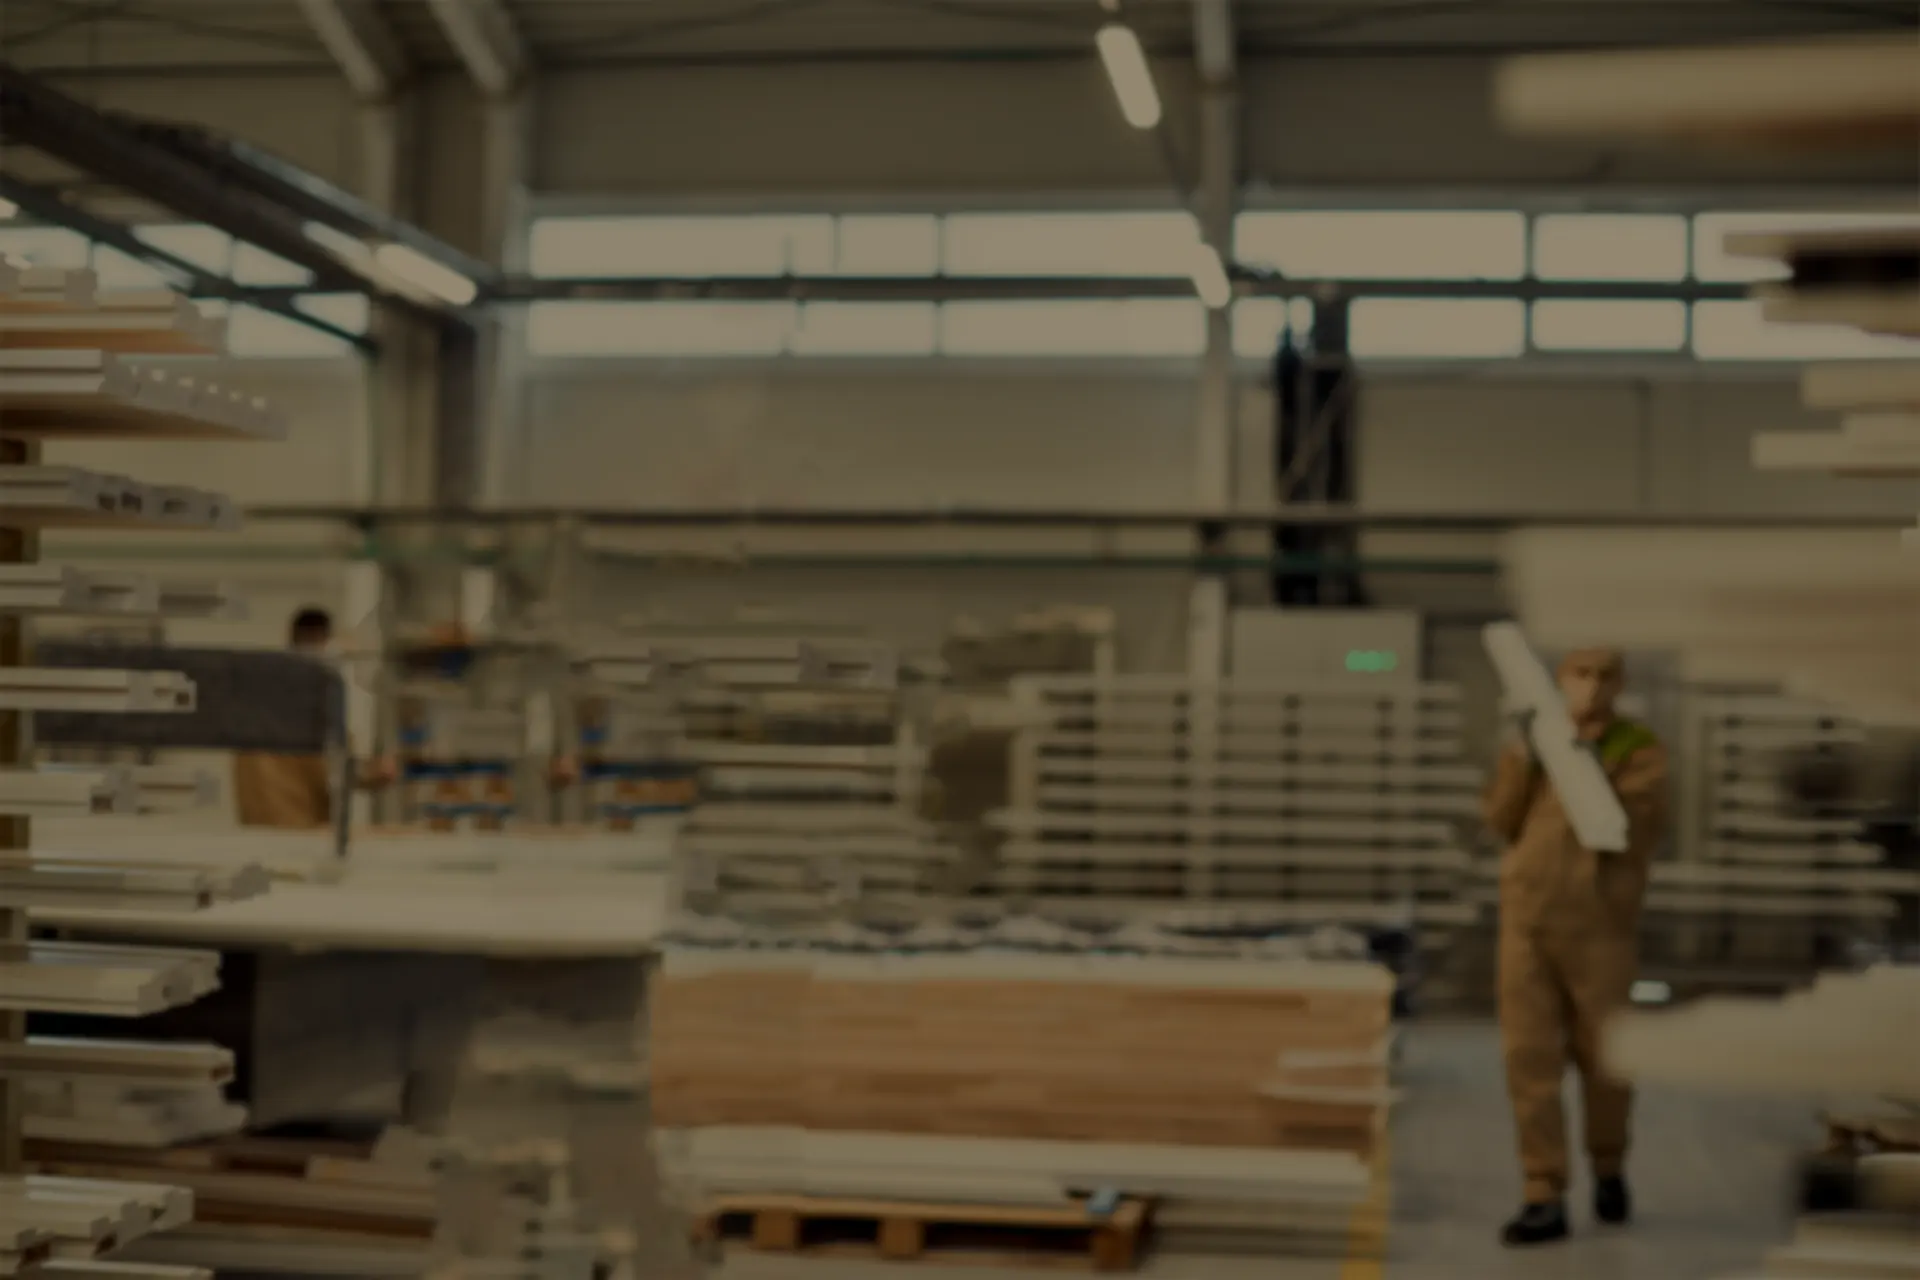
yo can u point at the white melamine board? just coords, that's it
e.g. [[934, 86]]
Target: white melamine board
[[1812, 92], [47, 496], [111, 980], [91, 395], [1153, 971], [1835, 451], [439, 913], [1289, 800], [94, 690], [1848, 1034], [1026, 1171], [1306, 693], [1201, 828], [1894, 311], [1273, 748], [93, 1269], [55, 589], [137, 1064], [796, 755], [1867, 384], [68, 791], [806, 819], [1367, 778], [1592, 806], [1359, 858], [42, 881]]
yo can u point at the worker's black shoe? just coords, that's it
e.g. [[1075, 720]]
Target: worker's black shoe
[[1536, 1224], [1612, 1203]]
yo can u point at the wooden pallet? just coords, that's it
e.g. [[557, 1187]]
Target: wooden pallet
[[904, 1231]]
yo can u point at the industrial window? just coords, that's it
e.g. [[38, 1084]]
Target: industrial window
[[1122, 327], [1610, 246], [117, 270], [666, 329], [1257, 324], [1437, 328], [1386, 245], [256, 334], [44, 246], [1610, 324], [887, 245], [1068, 244], [866, 329], [1712, 262], [255, 266], [688, 247], [1738, 331], [205, 247]]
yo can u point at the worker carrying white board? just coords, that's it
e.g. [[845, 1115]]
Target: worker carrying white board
[[1568, 951]]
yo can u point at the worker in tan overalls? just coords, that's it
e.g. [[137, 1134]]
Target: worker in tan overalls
[[1568, 951], [295, 791]]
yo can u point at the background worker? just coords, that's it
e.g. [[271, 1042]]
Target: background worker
[[295, 791], [1568, 950]]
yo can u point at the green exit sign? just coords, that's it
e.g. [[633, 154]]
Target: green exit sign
[[1372, 661]]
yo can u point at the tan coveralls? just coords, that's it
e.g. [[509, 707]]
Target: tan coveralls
[[1569, 920], [281, 790]]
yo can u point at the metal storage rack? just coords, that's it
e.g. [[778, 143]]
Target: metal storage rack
[[62, 375]]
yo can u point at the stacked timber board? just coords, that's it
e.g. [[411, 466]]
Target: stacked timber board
[[1789, 887], [313, 1207], [995, 1078], [62, 377], [543, 1170], [1303, 803], [809, 790]]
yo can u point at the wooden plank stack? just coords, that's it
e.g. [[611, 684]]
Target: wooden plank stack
[[61, 376], [1308, 803], [997, 1077], [810, 775]]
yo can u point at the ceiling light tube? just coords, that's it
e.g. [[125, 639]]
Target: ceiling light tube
[[1210, 278], [1126, 64], [413, 267]]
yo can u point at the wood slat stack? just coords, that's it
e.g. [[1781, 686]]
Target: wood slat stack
[[1302, 803], [998, 1077], [810, 775], [61, 376], [1757, 885]]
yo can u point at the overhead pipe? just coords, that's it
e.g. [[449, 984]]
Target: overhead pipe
[[34, 114]]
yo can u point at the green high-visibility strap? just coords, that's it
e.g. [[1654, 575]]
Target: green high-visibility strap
[[1622, 739]]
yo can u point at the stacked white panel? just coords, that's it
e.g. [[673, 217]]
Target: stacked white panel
[[1313, 802]]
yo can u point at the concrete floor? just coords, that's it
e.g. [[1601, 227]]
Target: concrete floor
[[1710, 1174], [1711, 1177]]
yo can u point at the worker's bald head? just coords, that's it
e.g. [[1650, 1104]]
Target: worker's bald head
[[1591, 680]]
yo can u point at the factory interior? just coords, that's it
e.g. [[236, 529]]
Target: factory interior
[[1327, 592]]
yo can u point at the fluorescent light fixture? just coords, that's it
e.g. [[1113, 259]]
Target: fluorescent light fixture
[[1126, 64], [8, 209], [1210, 277], [394, 266], [413, 267]]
